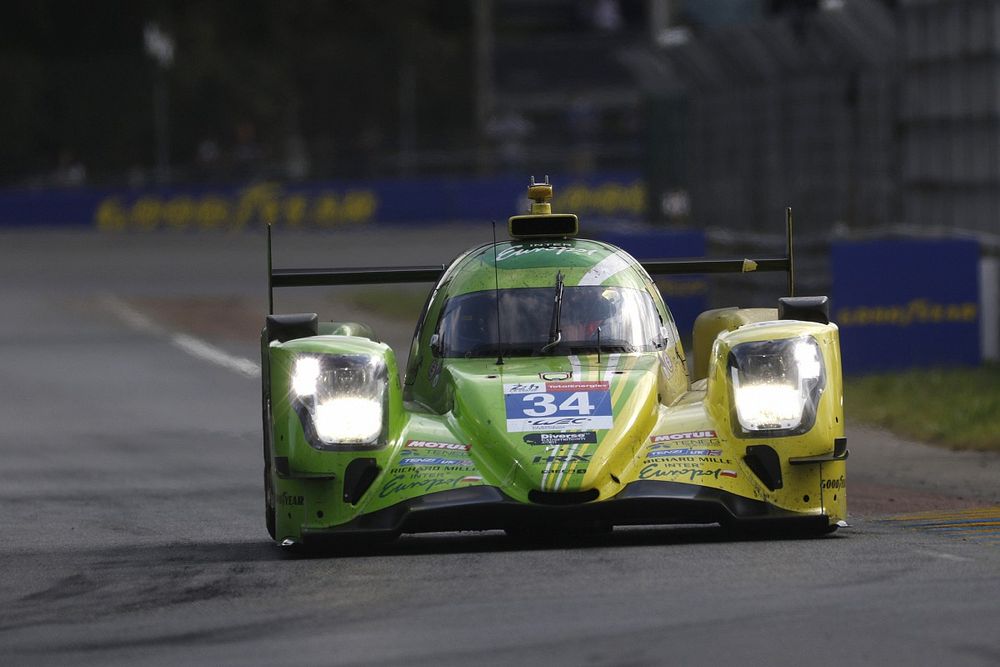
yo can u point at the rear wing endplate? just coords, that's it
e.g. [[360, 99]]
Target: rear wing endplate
[[745, 265]]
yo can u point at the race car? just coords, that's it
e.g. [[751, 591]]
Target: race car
[[547, 391]]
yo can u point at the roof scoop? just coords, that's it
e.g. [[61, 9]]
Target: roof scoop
[[541, 222]]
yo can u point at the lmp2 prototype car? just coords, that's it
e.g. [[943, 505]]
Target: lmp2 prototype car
[[547, 390]]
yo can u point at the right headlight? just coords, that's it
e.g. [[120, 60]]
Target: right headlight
[[776, 386], [340, 399]]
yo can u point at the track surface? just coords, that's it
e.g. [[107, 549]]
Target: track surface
[[133, 530]]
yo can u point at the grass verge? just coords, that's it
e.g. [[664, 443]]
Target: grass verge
[[953, 407]]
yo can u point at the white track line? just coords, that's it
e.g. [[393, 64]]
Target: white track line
[[196, 347], [942, 555], [131, 316], [202, 350]]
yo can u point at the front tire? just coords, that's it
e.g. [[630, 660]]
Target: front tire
[[270, 519], [269, 512]]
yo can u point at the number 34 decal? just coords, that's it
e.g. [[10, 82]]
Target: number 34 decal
[[562, 406], [544, 405]]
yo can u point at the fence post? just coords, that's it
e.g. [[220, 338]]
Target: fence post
[[989, 307]]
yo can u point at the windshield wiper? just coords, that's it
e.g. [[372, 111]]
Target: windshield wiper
[[555, 330]]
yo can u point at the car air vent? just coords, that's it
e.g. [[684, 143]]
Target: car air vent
[[764, 463], [358, 477], [563, 498]]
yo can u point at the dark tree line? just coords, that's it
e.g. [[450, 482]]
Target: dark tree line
[[253, 83]]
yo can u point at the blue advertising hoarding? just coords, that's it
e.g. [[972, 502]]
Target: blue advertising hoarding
[[904, 303], [316, 205], [687, 296]]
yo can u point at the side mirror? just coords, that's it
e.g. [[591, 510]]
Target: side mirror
[[807, 308], [284, 328], [436, 344]]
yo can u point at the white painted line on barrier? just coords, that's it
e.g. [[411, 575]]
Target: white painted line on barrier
[[196, 347]]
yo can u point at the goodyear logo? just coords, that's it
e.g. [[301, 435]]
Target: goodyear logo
[[269, 203], [285, 499], [917, 311], [834, 484], [604, 199]]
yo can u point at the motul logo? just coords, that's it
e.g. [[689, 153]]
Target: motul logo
[[690, 435], [426, 444]]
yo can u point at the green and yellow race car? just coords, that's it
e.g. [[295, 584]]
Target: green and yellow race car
[[547, 391]]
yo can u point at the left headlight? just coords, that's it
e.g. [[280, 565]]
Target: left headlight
[[340, 399], [776, 386]]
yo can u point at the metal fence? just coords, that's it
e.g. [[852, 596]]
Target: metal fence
[[793, 111], [858, 115], [950, 113]]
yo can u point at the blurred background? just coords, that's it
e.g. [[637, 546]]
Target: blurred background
[[144, 144], [673, 127]]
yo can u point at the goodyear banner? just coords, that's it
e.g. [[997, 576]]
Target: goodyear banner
[[316, 205], [687, 296], [906, 302]]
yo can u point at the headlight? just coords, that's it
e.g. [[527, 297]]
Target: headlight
[[340, 399], [776, 386]]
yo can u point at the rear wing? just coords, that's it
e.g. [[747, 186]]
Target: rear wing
[[745, 265], [432, 272], [359, 276]]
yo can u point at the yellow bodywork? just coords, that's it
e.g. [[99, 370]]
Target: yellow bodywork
[[693, 440], [711, 323]]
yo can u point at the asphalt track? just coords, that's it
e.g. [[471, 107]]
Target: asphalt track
[[130, 508]]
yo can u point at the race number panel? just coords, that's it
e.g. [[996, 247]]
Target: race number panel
[[557, 406]]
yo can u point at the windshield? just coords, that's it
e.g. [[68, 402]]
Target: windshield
[[619, 319]]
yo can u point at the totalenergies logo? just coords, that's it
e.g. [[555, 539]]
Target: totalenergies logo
[[262, 203]]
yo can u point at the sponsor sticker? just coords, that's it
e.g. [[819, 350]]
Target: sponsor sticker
[[689, 435], [555, 249], [523, 388], [432, 461], [569, 438], [427, 444], [562, 458], [579, 406], [689, 474], [576, 386], [400, 483], [665, 453], [686, 461], [834, 484], [285, 499]]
